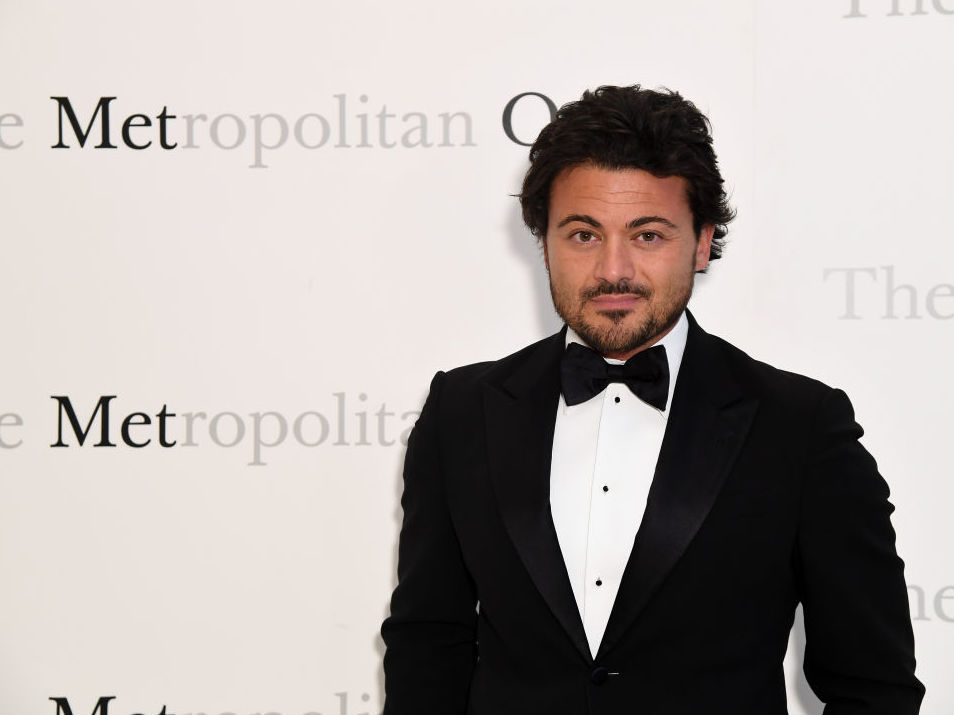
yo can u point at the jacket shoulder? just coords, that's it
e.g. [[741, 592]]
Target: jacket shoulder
[[771, 384], [495, 371]]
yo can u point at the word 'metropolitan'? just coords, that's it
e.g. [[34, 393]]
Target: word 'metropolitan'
[[344, 127], [63, 706], [343, 427], [349, 124]]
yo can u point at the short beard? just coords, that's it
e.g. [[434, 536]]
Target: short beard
[[617, 339]]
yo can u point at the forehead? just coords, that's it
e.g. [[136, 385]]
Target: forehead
[[591, 189]]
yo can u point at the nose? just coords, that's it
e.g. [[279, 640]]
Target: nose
[[616, 261]]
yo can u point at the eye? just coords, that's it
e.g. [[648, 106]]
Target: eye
[[648, 237], [583, 236]]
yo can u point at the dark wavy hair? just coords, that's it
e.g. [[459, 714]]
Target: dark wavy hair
[[630, 128]]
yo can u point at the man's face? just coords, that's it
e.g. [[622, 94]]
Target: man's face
[[621, 253]]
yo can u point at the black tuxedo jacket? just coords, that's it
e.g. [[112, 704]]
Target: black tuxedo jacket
[[762, 498]]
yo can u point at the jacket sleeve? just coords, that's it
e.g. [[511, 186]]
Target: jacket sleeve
[[859, 654], [430, 634]]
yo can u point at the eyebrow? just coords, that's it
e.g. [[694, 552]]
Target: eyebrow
[[635, 223]]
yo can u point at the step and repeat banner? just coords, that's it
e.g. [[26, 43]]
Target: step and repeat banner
[[239, 238]]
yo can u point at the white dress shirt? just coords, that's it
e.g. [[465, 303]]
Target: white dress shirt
[[603, 460]]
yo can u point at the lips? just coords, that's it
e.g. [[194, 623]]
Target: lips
[[615, 301]]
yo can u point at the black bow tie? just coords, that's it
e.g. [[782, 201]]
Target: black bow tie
[[584, 374]]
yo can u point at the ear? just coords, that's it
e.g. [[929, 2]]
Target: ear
[[703, 246], [546, 256]]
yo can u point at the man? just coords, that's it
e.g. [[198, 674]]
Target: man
[[622, 518]]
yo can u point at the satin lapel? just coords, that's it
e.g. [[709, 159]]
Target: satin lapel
[[520, 414], [707, 425]]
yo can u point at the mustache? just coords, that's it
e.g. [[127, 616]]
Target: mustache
[[620, 287]]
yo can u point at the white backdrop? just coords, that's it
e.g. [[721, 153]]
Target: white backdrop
[[289, 305]]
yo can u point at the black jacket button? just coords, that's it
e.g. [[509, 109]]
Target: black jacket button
[[599, 675]]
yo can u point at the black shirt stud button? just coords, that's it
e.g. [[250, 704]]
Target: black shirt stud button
[[599, 675], [615, 399]]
